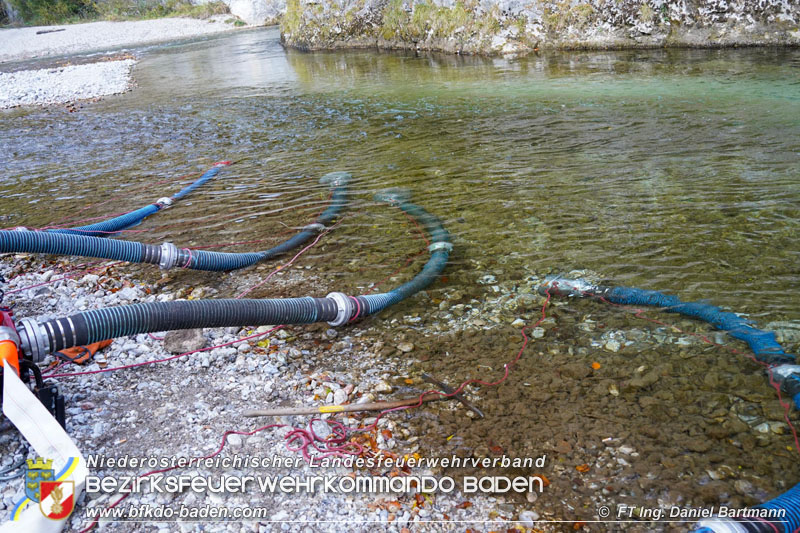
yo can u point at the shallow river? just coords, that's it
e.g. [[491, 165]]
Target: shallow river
[[674, 170]]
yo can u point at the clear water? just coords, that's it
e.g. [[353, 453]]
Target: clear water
[[669, 170]]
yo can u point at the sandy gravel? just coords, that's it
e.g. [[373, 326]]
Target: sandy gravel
[[24, 43], [65, 84], [58, 85]]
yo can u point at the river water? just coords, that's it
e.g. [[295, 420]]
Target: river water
[[673, 170]]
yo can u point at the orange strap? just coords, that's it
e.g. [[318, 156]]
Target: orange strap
[[9, 354], [82, 354]]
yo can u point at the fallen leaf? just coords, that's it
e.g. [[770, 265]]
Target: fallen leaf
[[582, 468], [596, 365]]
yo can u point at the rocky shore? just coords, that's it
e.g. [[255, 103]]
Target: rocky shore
[[512, 27]]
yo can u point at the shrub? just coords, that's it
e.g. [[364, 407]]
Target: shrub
[[52, 11]]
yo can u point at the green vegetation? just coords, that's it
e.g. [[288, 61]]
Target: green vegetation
[[37, 12], [427, 20]]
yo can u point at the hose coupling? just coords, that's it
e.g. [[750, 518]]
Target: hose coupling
[[441, 245], [335, 179], [315, 228], [344, 308], [169, 256], [9, 334], [781, 373], [163, 203], [556, 285], [34, 342], [393, 196]]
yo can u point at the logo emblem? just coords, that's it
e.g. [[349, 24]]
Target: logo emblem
[[36, 472], [58, 499]]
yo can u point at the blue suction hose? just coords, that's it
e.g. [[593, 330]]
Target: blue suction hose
[[167, 255], [111, 226], [781, 514], [40, 338]]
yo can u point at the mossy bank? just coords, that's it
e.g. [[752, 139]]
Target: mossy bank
[[517, 27]]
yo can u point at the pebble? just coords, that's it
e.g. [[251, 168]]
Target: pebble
[[405, 347], [613, 345], [528, 518], [339, 397], [383, 387]]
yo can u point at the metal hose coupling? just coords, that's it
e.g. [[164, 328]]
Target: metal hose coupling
[[344, 308], [336, 179], [393, 196], [163, 203], [169, 256], [558, 286], [34, 341]]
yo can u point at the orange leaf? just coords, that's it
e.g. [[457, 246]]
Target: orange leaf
[[497, 450], [596, 365], [582, 468], [464, 505], [577, 525], [386, 434]]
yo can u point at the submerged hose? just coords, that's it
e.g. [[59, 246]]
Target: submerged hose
[[38, 339], [113, 225], [781, 514], [167, 255], [440, 248], [762, 343]]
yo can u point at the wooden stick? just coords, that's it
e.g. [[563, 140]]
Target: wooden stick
[[349, 408]]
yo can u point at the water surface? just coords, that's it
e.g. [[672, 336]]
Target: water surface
[[668, 170]]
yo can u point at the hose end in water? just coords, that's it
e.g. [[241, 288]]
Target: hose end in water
[[393, 196], [344, 308], [163, 203], [336, 179], [441, 246], [315, 228], [558, 286]]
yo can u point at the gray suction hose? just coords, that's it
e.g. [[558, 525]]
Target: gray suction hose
[[167, 255], [40, 338]]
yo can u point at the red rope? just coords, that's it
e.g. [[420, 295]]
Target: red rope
[[165, 359], [506, 372], [161, 471], [639, 313]]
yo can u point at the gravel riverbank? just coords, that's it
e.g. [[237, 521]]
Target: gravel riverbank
[[62, 84], [18, 44], [181, 408]]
